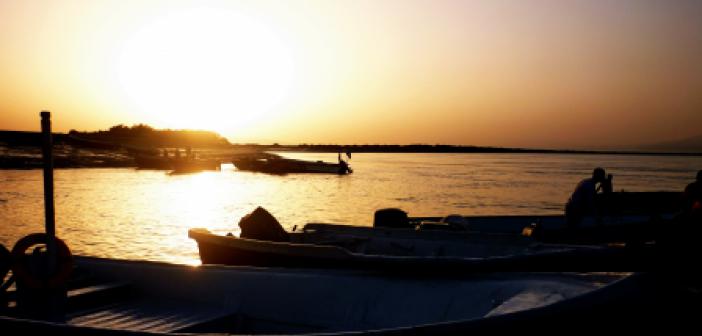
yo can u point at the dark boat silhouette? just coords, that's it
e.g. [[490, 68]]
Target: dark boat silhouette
[[631, 219], [177, 165], [272, 164], [120, 297]]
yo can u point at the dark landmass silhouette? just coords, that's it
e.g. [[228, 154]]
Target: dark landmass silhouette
[[146, 136], [426, 148], [138, 136], [119, 145], [115, 147]]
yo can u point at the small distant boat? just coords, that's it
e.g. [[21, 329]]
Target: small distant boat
[[279, 165], [153, 162], [195, 165], [176, 165]]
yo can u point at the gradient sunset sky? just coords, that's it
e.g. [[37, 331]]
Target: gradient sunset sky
[[557, 74]]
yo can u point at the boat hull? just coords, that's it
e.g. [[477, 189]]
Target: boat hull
[[227, 250], [335, 303], [273, 165]]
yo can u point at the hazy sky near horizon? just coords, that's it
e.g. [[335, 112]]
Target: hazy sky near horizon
[[549, 73]]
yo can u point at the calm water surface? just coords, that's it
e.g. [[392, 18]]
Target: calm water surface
[[141, 214]]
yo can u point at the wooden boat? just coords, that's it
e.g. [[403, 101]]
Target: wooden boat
[[119, 297], [280, 165]]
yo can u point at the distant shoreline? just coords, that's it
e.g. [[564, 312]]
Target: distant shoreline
[[21, 150], [448, 149]]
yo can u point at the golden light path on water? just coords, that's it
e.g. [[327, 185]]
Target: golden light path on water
[[145, 214]]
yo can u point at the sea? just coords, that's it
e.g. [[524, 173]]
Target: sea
[[136, 214]]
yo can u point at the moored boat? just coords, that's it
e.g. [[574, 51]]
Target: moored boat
[[119, 297], [195, 165], [229, 250], [153, 162], [624, 217], [279, 165], [452, 240], [264, 242]]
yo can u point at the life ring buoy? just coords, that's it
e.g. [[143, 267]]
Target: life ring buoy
[[5, 262], [23, 273]]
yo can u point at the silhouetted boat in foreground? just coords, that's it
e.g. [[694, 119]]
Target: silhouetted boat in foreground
[[119, 297], [280, 165]]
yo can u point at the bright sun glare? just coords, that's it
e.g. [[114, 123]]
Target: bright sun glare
[[206, 69]]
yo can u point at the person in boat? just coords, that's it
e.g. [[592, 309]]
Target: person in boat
[[680, 239], [606, 186], [582, 201], [343, 165], [692, 197]]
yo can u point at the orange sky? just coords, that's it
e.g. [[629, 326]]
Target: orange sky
[[502, 73]]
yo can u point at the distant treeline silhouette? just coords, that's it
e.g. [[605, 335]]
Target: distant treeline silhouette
[[439, 148], [412, 148], [136, 136], [142, 135]]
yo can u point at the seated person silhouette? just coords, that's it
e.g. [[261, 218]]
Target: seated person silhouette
[[692, 196], [606, 185], [582, 201]]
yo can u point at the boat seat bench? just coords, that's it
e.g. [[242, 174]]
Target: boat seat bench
[[150, 315], [96, 296]]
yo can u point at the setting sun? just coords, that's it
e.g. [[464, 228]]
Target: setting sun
[[205, 69]]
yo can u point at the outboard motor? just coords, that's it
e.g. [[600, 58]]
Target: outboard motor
[[5, 264], [391, 218], [261, 225]]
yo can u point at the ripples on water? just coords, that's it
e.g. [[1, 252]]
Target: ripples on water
[[142, 214]]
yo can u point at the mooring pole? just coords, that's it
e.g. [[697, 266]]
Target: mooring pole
[[48, 158]]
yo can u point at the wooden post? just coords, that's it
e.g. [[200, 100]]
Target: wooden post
[[48, 158], [45, 303]]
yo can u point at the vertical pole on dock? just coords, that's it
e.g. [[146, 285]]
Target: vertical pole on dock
[[48, 158], [45, 301]]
